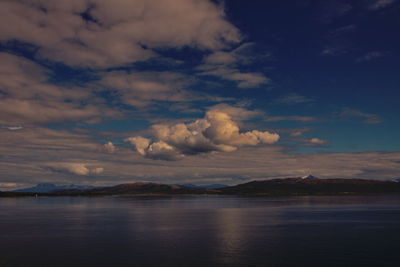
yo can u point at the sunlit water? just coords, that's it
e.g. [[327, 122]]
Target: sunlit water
[[200, 231]]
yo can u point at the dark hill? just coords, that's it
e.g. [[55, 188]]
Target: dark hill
[[134, 188], [300, 186], [49, 187], [286, 186]]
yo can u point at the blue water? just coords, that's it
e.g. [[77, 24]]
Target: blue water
[[200, 231]]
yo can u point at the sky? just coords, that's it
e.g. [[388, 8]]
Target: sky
[[102, 92]]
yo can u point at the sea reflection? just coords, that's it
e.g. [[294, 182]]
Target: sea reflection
[[200, 231]]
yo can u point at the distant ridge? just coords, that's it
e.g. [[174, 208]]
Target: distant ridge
[[134, 188], [49, 187], [308, 185], [207, 186], [313, 186]]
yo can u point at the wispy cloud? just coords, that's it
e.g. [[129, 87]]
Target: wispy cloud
[[378, 4], [293, 98], [12, 128], [369, 56], [225, 65], [332, 9], [30, 98], [292, 118], [368, 117], [299, 131], [317, 141], [143, 89], [338, 41]]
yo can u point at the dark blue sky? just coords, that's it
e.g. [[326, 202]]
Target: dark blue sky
[[297, 36], [323, 75]]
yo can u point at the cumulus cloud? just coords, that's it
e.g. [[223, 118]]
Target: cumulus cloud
[[216, 132], [103, 33], [109, 147], [74, 168], [157, 150]]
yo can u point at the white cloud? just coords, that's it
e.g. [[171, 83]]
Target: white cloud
[[317, 141], [109, 147], [12, 128], [216, 132], [74, 168]]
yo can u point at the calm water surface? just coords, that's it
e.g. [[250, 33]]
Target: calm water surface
[[200, 231]]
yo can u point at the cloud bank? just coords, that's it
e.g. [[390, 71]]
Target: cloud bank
[[103, 33], [26, 96], [216, 132]]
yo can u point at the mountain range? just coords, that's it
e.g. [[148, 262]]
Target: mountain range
[[313, 186], [307, 185], [49, 188]]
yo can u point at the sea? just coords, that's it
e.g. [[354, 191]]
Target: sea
[[200, 231]]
